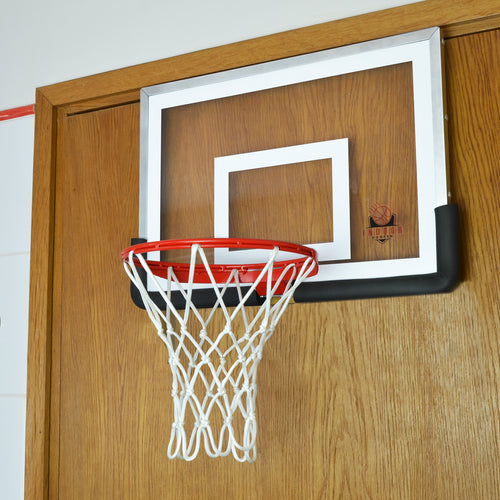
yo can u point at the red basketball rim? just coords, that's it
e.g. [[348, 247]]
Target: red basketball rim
[[247, 273]]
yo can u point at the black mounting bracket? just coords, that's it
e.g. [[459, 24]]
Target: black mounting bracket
[[444, 280]]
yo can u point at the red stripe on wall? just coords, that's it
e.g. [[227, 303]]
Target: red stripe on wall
[[8, 114]]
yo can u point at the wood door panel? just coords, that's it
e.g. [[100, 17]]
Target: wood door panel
[[381, 398]]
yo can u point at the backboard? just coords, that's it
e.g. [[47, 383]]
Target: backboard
[[342, 150]]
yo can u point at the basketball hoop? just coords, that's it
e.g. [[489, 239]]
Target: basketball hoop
[[215, 372]]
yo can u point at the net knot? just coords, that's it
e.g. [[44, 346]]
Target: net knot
[[248, 387], [187, 392], [241, 358], [203, 422], [203, 334], [173, 360]]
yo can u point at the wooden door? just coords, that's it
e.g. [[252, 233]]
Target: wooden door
[[381, 398]]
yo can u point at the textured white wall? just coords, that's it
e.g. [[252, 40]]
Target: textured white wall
[[16, 167], [45, 42]]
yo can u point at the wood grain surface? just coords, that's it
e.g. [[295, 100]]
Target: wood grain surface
[[284, 200], [40, 310], [383, 398]]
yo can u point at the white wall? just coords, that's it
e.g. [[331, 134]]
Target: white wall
[[16, 160], [45, 42]]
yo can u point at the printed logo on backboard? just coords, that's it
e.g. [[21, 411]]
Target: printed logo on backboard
[[382, 223]]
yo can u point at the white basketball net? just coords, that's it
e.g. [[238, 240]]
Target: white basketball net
[[214, 382]]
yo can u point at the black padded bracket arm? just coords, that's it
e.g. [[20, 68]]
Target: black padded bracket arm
[[445, 279]]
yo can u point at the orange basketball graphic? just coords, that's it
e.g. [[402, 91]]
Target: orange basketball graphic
[[381, 214]]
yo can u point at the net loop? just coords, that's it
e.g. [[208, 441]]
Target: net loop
[[214, 373]]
